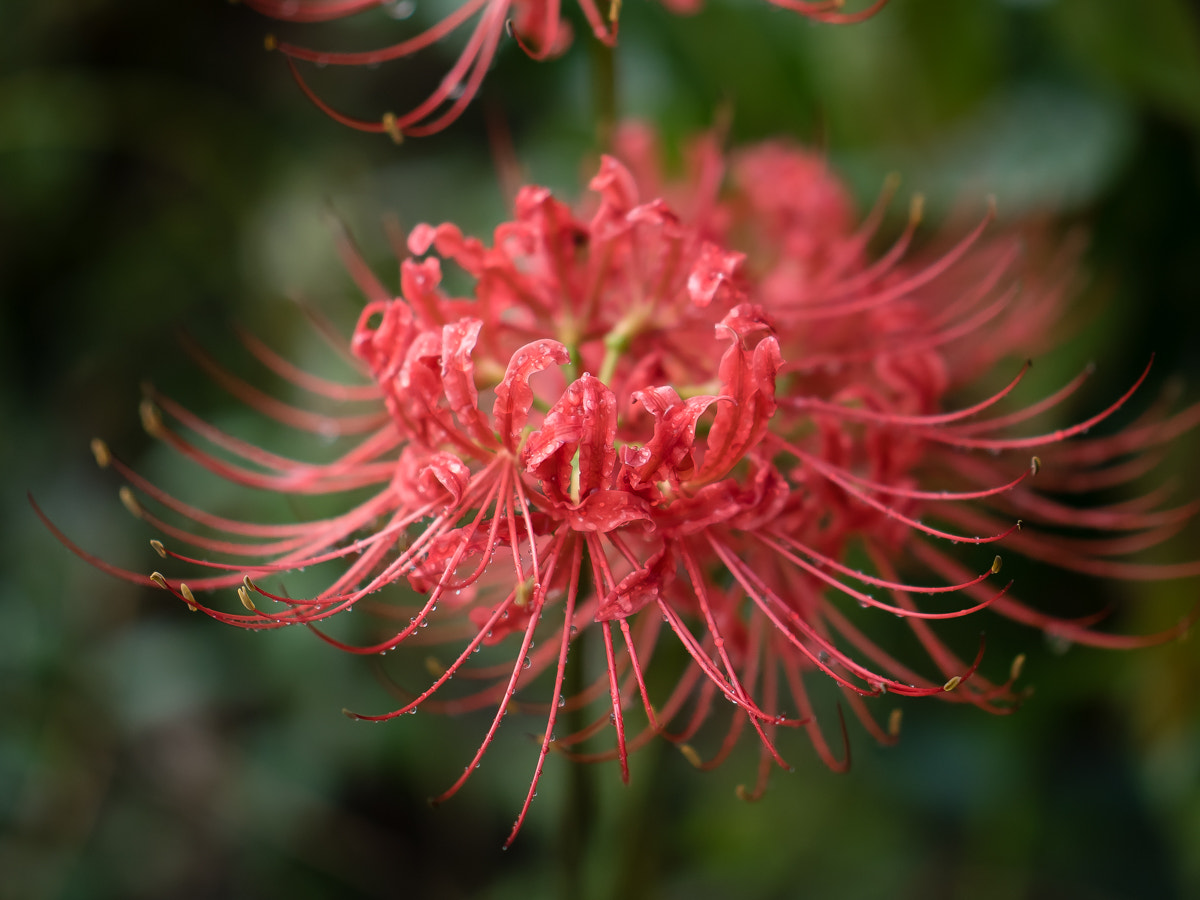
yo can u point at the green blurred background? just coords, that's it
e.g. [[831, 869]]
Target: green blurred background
[[159, 172]]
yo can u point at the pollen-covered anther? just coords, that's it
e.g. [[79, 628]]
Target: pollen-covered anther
[[247, 600], [1035, 465], [691, 755], [391, 128], [996, 564], [158, 548], [614, 11], [746, 795], [188, 597], [248, 584], [130, 501], [894, 720], [916, 209], [151, 418], [101, 452], [523, 592], [157, 578], [952, 683], [1018, 663]]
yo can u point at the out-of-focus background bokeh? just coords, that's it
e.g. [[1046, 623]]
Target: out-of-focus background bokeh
[[159, 172]]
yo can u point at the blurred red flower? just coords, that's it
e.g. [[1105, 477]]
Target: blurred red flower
[[536, 25]]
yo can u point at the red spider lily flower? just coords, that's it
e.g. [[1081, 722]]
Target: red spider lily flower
[[536, 25], [630, 432]]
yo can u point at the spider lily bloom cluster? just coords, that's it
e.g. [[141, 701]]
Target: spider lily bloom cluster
[[536, 25], [630, 434]]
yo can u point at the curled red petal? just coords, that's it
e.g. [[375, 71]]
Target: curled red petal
[[605, 511], [458, 377], [639, 588], [668, 453], [712, 273], [514, 396], [748, 378], [617, 189], [583, 421], [710, 505], [422, 477]]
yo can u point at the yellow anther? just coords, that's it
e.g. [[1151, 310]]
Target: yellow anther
[[248, 584], [434, 667], [1018, 663], [614, 11], [151, 418], [894, 719], [157, 578], [523, 592], [952, 683], [100, 451], [247, 601], [130, 501], [916, 209], [745, 795], [188, 597], [158, 548], [270, 42], [391, 129], [996, 564], [690, 754], [1035, 465]]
